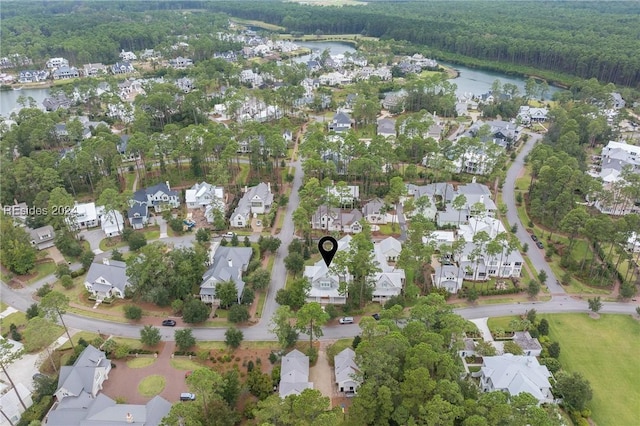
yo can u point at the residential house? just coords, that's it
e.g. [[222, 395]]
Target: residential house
[[528, 115], [390, 249], [530, 345], [294, 374], [127, 56], [57, 63], [150, 54], [85, 376], [325, 283], [138, 216], [11, 407], [102, 410], [375, 212], [617, 101], [502, 133], [616, 158], [346, 195], [83, 215], [516, 374], [58, 102], [94, 70], [341, 123], [32, 76], [633, 243], [386, 128], [468, 349], [336, 219], [389, 280], [185, 84], [347, 373], [65, 72], [449, 277], [439, 238], [476, 195], [493, 227], [112, 222], [159, 196], [227, 264], [256, 200], [19, 211], [43, 237], [206, 197], [478, 265], [123, 151], [393, 102], [122, 68], [180, 63], [107, 279]]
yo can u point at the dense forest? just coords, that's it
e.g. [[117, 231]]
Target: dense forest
[[589, 39]]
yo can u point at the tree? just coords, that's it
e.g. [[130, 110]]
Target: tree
[[16, 251], [542, 276], [472, 295], [33, 311], [310, 319], [574, 389], [184, 339], [282, 328], [485, 349], [132, 312], [62, 269], [259, 279], [137, 241], [511, 347], [203, 235], [54, 305], [150, 335], [543, 327], [533, 288], [259, 384], [227, 293], [595, 304], [233, 337], [8, 355], [294, 263], [66, 281], [554, 350], [86, 259], [113, 203], [195, 311], [238, 313]]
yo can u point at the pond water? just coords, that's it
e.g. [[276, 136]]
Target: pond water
[[9, 99]]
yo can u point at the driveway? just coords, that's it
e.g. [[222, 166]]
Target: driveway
[[55, 255], [94, 237], [321, 374], [163, 226]]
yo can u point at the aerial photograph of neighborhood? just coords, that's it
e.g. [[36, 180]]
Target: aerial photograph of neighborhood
[[319, 213]]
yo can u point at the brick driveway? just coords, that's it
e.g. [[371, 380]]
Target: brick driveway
[[123, 381]]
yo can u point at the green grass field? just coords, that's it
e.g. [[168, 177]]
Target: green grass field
[[605, 352]]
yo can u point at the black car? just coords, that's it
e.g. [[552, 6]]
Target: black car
[[376, 317], [39, 376], [169, 323], [533, 237], [539, 244]]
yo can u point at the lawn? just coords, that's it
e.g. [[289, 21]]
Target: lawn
[[262, 297], [86, 335], [605, 352], [185, 364], [107, 244], [140, 362], [151, 385], [42, 270], [3, 306], [17, 318], [129, 178]]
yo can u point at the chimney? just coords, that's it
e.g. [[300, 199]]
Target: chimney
[[168, 186], [129, 418], [246, 189], [482, 198], [269, 186], [105, 261], [230, 263]]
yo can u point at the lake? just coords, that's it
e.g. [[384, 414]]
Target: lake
[[9, 99], [469, 81]]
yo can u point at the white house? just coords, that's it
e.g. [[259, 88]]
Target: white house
[[57, 63], [112, 223], [325, 282], [294, 374], [11, 406], [206, 197], [390, 248], [347, 372], [346, 195], [633, 243], [480, 266], [374, 212], [107, 279], [127, 56], [256, 200], [336, 219], [227, 263], [528, 115], [83, 215], [449, 277], [516, 374], [341, 123]]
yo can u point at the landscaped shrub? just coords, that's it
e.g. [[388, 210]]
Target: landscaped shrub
[[273, 357], [185, 353], [78, 272], [142, 352], [132, 312], [250, 366], [312, 353], [37, 411], [44, 290]]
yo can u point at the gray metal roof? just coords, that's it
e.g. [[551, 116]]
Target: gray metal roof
[[228, 264], [80, 376], [115, 273]]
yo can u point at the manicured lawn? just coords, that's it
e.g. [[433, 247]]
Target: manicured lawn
[[86, 335], [3, 306], [17, 318], [151, 385], [107, 244], [42, 270], [241, 178], [262, 297], [152, 235], [605, 352], [130, 178], [132, 343], [184, 364], [216, 345], [140, 362]]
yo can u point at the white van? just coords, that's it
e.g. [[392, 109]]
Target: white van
[[346, 320]]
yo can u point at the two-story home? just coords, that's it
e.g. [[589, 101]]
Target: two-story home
[[112, 222], [325, 282], [375, 212], [478, 265], [127, 56], [185, 84], [57, 63], [83, 215], [86, 375], [345, 195], [449, 277], [256, 200], [389, 280], [43, 237], [94, 70], [180, 63], [122, 68], [336, 219], [55, 103], [528, 115], [138, 216], [227, 264], [516, 374], [294, 374], [159, 196], [65, 72], [347, 372], [107, 279], [341, 123], [386, 128], [32, 76], [206, 197]]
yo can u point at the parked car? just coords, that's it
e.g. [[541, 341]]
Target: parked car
[[346, 320], [169, 323], [186, 396], [229, 235], [533, 237], [38, 376], [376, 316], [539, 244]]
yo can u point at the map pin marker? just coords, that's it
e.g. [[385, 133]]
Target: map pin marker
[[327, 253]]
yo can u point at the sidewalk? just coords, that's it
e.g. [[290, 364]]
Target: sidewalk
[[10, 310]]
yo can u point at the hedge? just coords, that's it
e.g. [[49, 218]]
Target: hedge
[[184, 353], [77, 273], [37, 411], [142, 352]]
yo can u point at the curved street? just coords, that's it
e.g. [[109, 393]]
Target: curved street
[[560, 302]]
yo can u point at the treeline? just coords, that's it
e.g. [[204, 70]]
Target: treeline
[[582, 39]]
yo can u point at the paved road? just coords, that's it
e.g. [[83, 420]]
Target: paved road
[[508, 197]]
